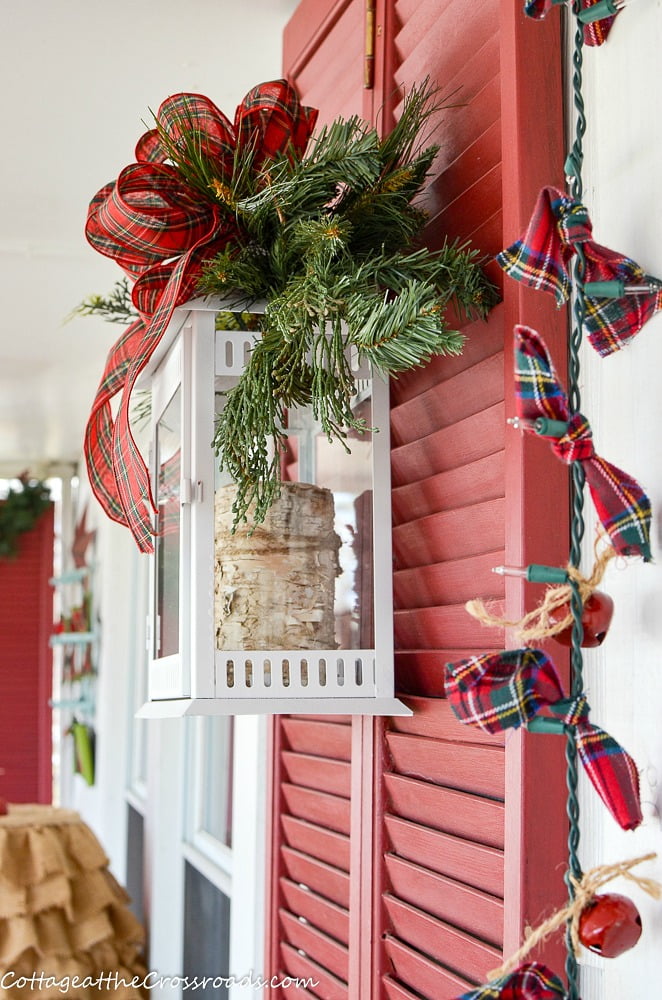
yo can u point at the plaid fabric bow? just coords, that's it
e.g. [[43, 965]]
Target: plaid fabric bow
[[541, 259], [595, 33], [160, 230], [621, 504], [499, 691], [532, 981]]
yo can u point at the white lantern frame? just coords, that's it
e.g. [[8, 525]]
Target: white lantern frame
[[197, 678]]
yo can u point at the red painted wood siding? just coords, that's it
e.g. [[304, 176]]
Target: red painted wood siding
[[454, 842], [26, 621]]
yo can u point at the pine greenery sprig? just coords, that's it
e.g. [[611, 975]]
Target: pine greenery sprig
[[19, 513], [330, 242], [116, 307]]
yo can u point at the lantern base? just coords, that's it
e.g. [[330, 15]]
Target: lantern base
[[178, 707]]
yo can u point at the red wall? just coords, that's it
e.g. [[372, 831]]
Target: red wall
[[26, 621]]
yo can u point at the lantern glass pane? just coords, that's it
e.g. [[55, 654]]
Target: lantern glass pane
[[303, 579], [168, 444]]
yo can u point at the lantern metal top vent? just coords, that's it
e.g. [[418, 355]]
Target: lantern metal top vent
[[294, 614]]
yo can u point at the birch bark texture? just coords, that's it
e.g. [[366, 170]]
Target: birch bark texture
[[275, 582]]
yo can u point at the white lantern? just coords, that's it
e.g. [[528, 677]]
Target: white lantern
[[293, 615]]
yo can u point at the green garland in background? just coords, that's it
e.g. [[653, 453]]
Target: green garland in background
[[19, 513]]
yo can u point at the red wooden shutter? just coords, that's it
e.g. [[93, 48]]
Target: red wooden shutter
[[26, 621], [310, 881], [454, 841]]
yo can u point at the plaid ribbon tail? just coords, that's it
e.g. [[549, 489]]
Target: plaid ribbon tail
[[622, 506], [100, 426], [538, 390], [612, 322], [531, 981], [499, 691], [612, 772], [131, 473]]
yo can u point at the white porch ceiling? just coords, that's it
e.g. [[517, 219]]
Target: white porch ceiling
[[78, 78]]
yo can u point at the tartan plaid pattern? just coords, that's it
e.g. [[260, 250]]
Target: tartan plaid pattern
[[160, 231], [541, 259], [609, 768], [499, 691], [612, 323], [621, 504], [531, 981], [594, 34]]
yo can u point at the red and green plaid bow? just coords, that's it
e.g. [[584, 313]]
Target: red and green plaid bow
[[532, 981], [499, 691], [621, 504], [541, 259], [595, 32], [160, 230]]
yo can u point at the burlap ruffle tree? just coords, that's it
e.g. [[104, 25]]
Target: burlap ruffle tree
[[62, 913]]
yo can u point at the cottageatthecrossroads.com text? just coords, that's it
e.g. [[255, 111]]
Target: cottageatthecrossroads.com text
[[107, 981]]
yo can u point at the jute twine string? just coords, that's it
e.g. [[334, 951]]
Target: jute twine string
[[539, 623], [585, 889]]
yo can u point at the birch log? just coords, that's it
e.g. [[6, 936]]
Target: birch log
[[275, 583]]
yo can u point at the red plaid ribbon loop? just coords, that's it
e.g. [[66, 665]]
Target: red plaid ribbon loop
[[542, 256], [621, 504], [500, 691], [531, 981], [160, 229]]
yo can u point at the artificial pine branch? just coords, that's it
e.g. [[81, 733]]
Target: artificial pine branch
[[330, 242], [116, 307]]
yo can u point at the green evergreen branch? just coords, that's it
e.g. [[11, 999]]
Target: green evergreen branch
[[116, 307]]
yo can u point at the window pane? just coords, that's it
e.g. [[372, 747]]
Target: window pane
[[206, 932], [168, 442], [217, 783]]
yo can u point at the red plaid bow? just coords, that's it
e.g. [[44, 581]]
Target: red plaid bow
[[532, 981], [499, 691], [541, 259], [621, 504], [595, 33], [160, 230]]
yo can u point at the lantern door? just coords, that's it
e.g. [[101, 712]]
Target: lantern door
[[291, 612]]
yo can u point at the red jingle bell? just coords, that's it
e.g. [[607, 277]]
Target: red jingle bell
[[609, 925], [596, 618]]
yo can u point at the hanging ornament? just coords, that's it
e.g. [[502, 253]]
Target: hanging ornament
[[585, 896], [609, 925], [507, 690], [552, 617], [542, 408], [619, 296], [597, 613]]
